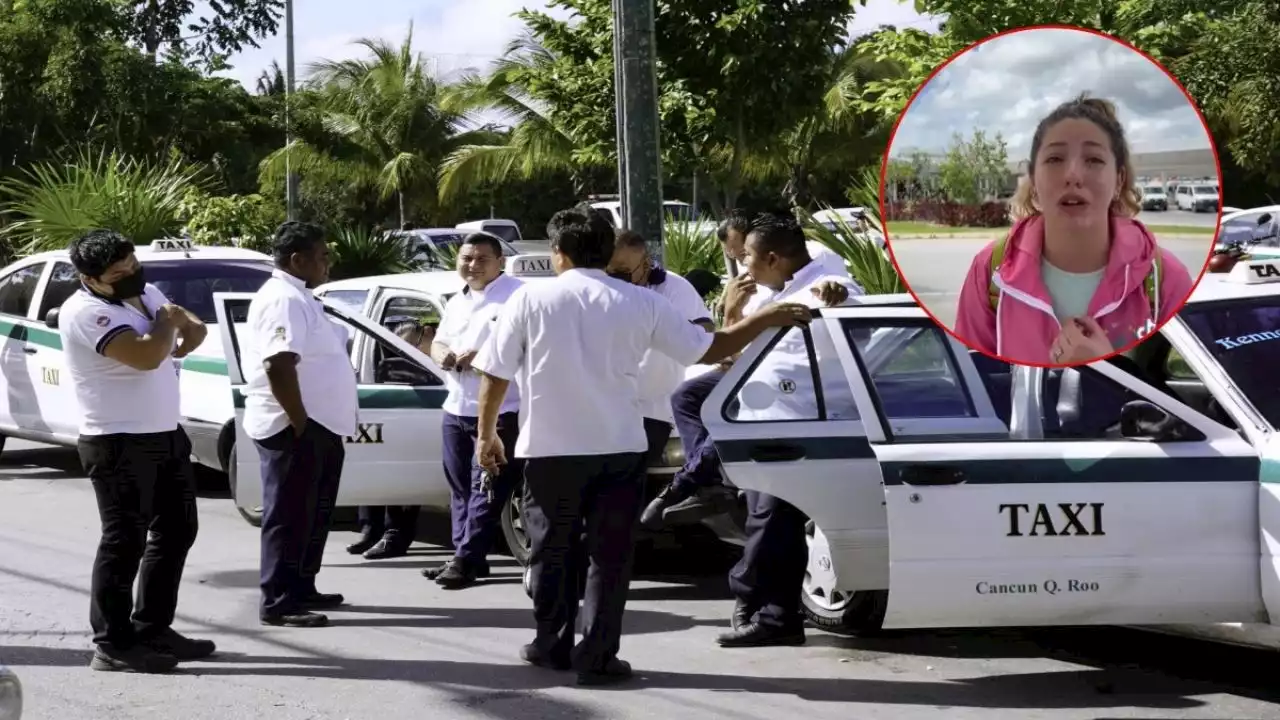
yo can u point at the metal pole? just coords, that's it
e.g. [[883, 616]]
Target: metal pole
[[291, 178], [639, 160], [619, 105]]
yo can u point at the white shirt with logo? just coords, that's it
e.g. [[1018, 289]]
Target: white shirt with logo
[[574, 345], [781, 387], [113, 397], [469, 319], [286, 317], [660, 374]]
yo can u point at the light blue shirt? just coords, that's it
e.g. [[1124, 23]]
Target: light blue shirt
[[1070, 292]]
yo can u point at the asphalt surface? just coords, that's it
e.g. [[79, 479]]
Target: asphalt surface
[[1179, 217], [406, 649], [935, 268]]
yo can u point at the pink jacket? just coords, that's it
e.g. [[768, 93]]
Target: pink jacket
[[1023, 326]]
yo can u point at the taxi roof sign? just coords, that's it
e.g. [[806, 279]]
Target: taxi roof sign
[[530, 266], [1252, 272], [172, 245]]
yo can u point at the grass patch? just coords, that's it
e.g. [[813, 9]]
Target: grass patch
[[1180, 230]]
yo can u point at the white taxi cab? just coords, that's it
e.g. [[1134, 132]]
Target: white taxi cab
[[957, 491], [396, 456], [37, 405]]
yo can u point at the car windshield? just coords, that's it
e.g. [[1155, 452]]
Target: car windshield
[[192, 283], [1205, 190], [1244, 337], [1154, 191]]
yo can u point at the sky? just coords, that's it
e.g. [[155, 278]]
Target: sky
[[458, 34], [1008, 84]]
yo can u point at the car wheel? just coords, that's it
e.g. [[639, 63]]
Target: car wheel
[[826, 605], [253, 515], [512, 521]]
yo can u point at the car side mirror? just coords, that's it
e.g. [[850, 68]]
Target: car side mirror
[[51, 318], [1266, 218], [1141, 420]]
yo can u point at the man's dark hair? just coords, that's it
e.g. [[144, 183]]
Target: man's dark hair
[[703, 280], [95, 251], [738, 220], [780, 234], [583, 235], [482, 239], [295, 237], [631, 239]]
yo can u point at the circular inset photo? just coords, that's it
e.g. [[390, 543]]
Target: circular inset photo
[[1051, 196]]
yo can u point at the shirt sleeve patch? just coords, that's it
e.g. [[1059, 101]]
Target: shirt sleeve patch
[[102, 321]]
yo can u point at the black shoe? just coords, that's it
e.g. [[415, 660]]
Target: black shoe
[[169, 642], [366, 541], [322, 601], [534, 656], [652, 516], [757, 635], [457, 576], [298, 619], [707, 502], [137, 659], [742, 614], [386, 549], [614, 671], [481, 567]]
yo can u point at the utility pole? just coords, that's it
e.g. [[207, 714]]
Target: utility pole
[[291, 178], [636, 92]]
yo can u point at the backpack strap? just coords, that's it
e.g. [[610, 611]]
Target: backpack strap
[[1151, 284], [997, 257]]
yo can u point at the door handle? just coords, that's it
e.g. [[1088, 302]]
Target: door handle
[[776, 453], [29, 350], [931, 475]]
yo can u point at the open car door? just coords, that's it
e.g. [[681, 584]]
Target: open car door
[[1124, 505], [395, 457]]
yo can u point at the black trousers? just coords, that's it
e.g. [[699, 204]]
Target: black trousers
[[657, 432], [398, 523], [582, 508], [300, 477], [770, 575], [146, 496]]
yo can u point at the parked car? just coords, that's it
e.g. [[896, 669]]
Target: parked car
[[1154, 198]]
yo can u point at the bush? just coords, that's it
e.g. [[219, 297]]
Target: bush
[[249, 221], [943, 212]]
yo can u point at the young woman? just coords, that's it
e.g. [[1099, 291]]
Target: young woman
[[1077, 278]]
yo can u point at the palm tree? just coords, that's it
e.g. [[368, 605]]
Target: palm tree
[[837, 136], [385, 111], [535, 146], [271, 81]]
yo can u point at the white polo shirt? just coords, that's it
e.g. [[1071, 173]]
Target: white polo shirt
[[829, 258], [113, 397], [781, 386], [660, 374], [285, 316], [469, 318], [574, 344]]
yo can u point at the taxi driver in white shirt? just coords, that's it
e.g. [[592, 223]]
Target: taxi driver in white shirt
[[767, 581]]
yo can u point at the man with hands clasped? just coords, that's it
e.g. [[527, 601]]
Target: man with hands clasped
[[118, 334]]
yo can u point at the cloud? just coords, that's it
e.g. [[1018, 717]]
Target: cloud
[[1008, 84]]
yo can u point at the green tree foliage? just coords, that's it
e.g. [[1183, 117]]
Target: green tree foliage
[[245, 220], [223, 28], [974, 169]]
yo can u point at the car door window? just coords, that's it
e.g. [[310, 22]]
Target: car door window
[[911, 369], [349, 300], [63, 283], [400, 308], [18, 289], [798, 379], [378, 363]]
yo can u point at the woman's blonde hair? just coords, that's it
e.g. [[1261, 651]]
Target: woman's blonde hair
[[1103, 114]]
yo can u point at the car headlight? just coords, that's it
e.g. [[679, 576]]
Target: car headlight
[[10, 695]]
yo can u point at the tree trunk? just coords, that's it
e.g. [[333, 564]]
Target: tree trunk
[[400, 196], [151, 32], [733, 183]]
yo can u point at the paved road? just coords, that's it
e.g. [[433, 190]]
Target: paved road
[[1179, 217], [407, 649], [935, 268]]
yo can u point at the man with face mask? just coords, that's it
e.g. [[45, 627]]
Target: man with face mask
[[300, 401], [469, 317], [119, 334], [659, 374]]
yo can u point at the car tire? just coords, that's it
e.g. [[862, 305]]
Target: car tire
[[829, 608], [512, 522], [253, 516]]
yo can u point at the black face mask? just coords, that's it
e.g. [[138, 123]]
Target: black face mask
[[129, 286]]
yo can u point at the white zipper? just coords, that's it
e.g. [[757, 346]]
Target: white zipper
[[1025, 298], [1108, 309]]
